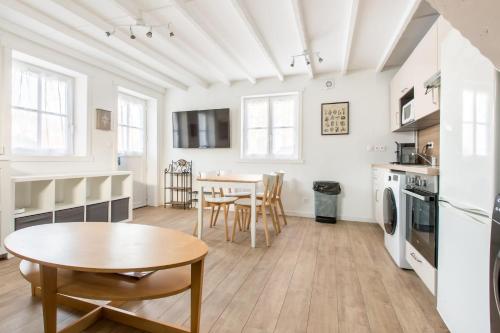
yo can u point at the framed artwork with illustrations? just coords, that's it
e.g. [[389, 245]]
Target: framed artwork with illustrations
[[335, 118]]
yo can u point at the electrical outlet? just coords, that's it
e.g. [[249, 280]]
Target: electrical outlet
[[380, 148], [369, 148]]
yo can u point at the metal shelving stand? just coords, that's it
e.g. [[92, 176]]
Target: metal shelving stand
[[179, 176]]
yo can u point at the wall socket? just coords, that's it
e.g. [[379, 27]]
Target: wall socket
[[376, 148]]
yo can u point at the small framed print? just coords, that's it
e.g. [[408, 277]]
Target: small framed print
[[103, 120], [335, 118]]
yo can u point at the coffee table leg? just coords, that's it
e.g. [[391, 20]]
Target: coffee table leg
[[196, 294], [48, 279]]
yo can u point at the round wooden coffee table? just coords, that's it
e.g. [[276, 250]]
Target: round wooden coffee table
[[63, 261]]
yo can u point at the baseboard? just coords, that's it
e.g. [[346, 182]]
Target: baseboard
[[339, 218]]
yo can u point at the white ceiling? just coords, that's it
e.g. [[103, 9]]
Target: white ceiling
[[222, 41]]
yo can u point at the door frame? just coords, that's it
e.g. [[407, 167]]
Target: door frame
[[151, 124]]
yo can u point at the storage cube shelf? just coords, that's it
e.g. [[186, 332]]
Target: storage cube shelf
[[34, 197], [72, 198], [121, 186], [69, 193], [98, 189]]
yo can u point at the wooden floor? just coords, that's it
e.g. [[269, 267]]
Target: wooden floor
[[313, 278]]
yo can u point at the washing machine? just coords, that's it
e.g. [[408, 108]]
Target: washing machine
[[394, 206]]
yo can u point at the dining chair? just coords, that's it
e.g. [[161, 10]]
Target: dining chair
[[243, 207], [216, 201], [276, 200]]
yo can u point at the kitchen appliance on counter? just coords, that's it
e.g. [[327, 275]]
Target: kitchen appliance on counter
[[422, 226], [495, 268], [406, 153], [394, 217], [468, 184]]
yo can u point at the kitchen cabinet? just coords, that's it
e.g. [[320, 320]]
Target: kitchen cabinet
[[378, 179], [409, 81], [425, 64]]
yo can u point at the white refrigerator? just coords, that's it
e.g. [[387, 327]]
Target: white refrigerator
[[468, 183]]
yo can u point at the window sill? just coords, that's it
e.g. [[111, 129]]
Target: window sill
[[52, 158], [269, 161]]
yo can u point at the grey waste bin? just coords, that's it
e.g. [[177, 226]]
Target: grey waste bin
[[325, 201]]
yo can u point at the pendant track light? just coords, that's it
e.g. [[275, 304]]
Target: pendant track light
[[307, 58], [141, 25]]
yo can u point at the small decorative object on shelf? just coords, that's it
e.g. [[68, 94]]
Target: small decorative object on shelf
[[179, 174]]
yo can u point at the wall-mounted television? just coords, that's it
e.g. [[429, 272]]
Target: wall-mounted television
[[201, 129]]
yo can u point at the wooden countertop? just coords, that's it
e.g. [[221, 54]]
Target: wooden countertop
[[416, 168]]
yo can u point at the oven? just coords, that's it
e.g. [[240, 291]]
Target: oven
[[422, 215]]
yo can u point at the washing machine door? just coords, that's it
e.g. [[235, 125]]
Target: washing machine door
[[390, 211]]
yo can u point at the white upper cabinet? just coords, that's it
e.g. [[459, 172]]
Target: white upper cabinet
[[409, 81], [425, 65]]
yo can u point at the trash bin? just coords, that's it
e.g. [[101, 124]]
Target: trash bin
[[325, 201]]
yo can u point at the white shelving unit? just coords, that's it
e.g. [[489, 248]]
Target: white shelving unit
[[6, 225], [35, 197], [69, 193], [71, 198], [98, 189]]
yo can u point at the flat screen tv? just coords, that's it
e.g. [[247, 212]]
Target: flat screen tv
[[201, 129]]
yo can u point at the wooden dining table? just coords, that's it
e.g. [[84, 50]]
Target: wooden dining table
[[72, 264], [243, 181]]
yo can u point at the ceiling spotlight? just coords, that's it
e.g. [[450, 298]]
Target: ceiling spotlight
[[149, 34], [320, 59], [293, 62], [109, 33], [132, 36], [170, 32]]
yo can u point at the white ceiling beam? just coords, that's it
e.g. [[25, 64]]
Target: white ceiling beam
[[133, 11], [70, 32], [406, 19], [156, 56], [247, 19], [29, 42], [229, 53], [301, 29], [353, 15]]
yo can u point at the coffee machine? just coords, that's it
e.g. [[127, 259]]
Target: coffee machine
[[406, 153]]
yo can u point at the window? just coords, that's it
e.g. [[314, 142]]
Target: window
[[42, 111], [270, 127], [131, 114]]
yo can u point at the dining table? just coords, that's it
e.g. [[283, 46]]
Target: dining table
[[240, 181], [74, 264]]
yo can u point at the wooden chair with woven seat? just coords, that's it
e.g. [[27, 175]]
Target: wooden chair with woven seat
[[276, 200], [243, 207]]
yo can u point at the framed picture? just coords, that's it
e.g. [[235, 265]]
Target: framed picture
[[335, 118], [103, 120]]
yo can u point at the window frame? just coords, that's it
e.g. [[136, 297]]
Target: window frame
[[128, 126], [269, 156], [70, 116]]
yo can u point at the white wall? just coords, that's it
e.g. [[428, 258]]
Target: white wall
[[102, 93], [343, 158]]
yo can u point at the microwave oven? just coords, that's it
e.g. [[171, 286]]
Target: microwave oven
[[407, 113]]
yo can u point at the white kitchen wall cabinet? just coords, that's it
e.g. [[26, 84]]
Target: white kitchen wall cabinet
[[409, 81], [425, 65]]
